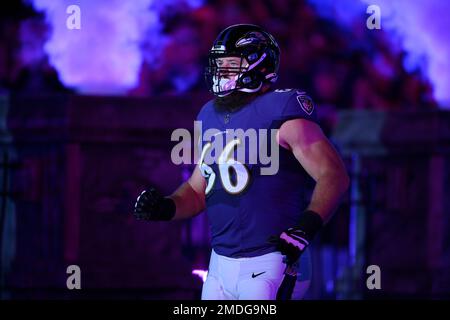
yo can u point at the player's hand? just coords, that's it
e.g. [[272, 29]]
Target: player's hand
[[294, 241], [150, 205]]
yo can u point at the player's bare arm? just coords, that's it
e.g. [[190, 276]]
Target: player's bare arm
[[189, 198], [320, 160]]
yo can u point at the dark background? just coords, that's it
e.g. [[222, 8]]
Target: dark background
[[73, 162]]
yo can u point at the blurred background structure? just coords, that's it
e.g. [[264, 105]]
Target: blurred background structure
[[86, 117]]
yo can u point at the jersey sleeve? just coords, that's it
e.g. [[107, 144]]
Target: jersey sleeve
[[205, 111], [299, 106], [201, 117]]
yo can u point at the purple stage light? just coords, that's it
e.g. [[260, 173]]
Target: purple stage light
[[201, 273], [418, 27], [104, 55], [421, 29]]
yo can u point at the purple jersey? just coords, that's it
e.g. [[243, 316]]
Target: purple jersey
[[245, 207]]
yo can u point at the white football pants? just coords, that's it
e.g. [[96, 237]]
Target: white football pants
[[255, 278]]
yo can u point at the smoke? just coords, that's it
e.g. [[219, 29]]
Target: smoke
[[105, 55], [345, 12], [419, 27]]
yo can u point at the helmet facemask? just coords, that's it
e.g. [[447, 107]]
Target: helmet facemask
[[225, 79]]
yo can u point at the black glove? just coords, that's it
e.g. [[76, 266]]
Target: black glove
[[150, 205], [294, 241]]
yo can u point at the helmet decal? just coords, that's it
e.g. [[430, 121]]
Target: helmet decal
[[251, 38]]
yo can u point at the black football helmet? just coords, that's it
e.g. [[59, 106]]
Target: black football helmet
[[259, 60]]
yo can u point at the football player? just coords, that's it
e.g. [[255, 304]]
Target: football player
[[260, 224]]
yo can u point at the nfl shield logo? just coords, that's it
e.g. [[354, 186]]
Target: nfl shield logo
[[306, 103]]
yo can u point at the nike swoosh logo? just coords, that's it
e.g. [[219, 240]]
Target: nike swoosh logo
[[258, 274]]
